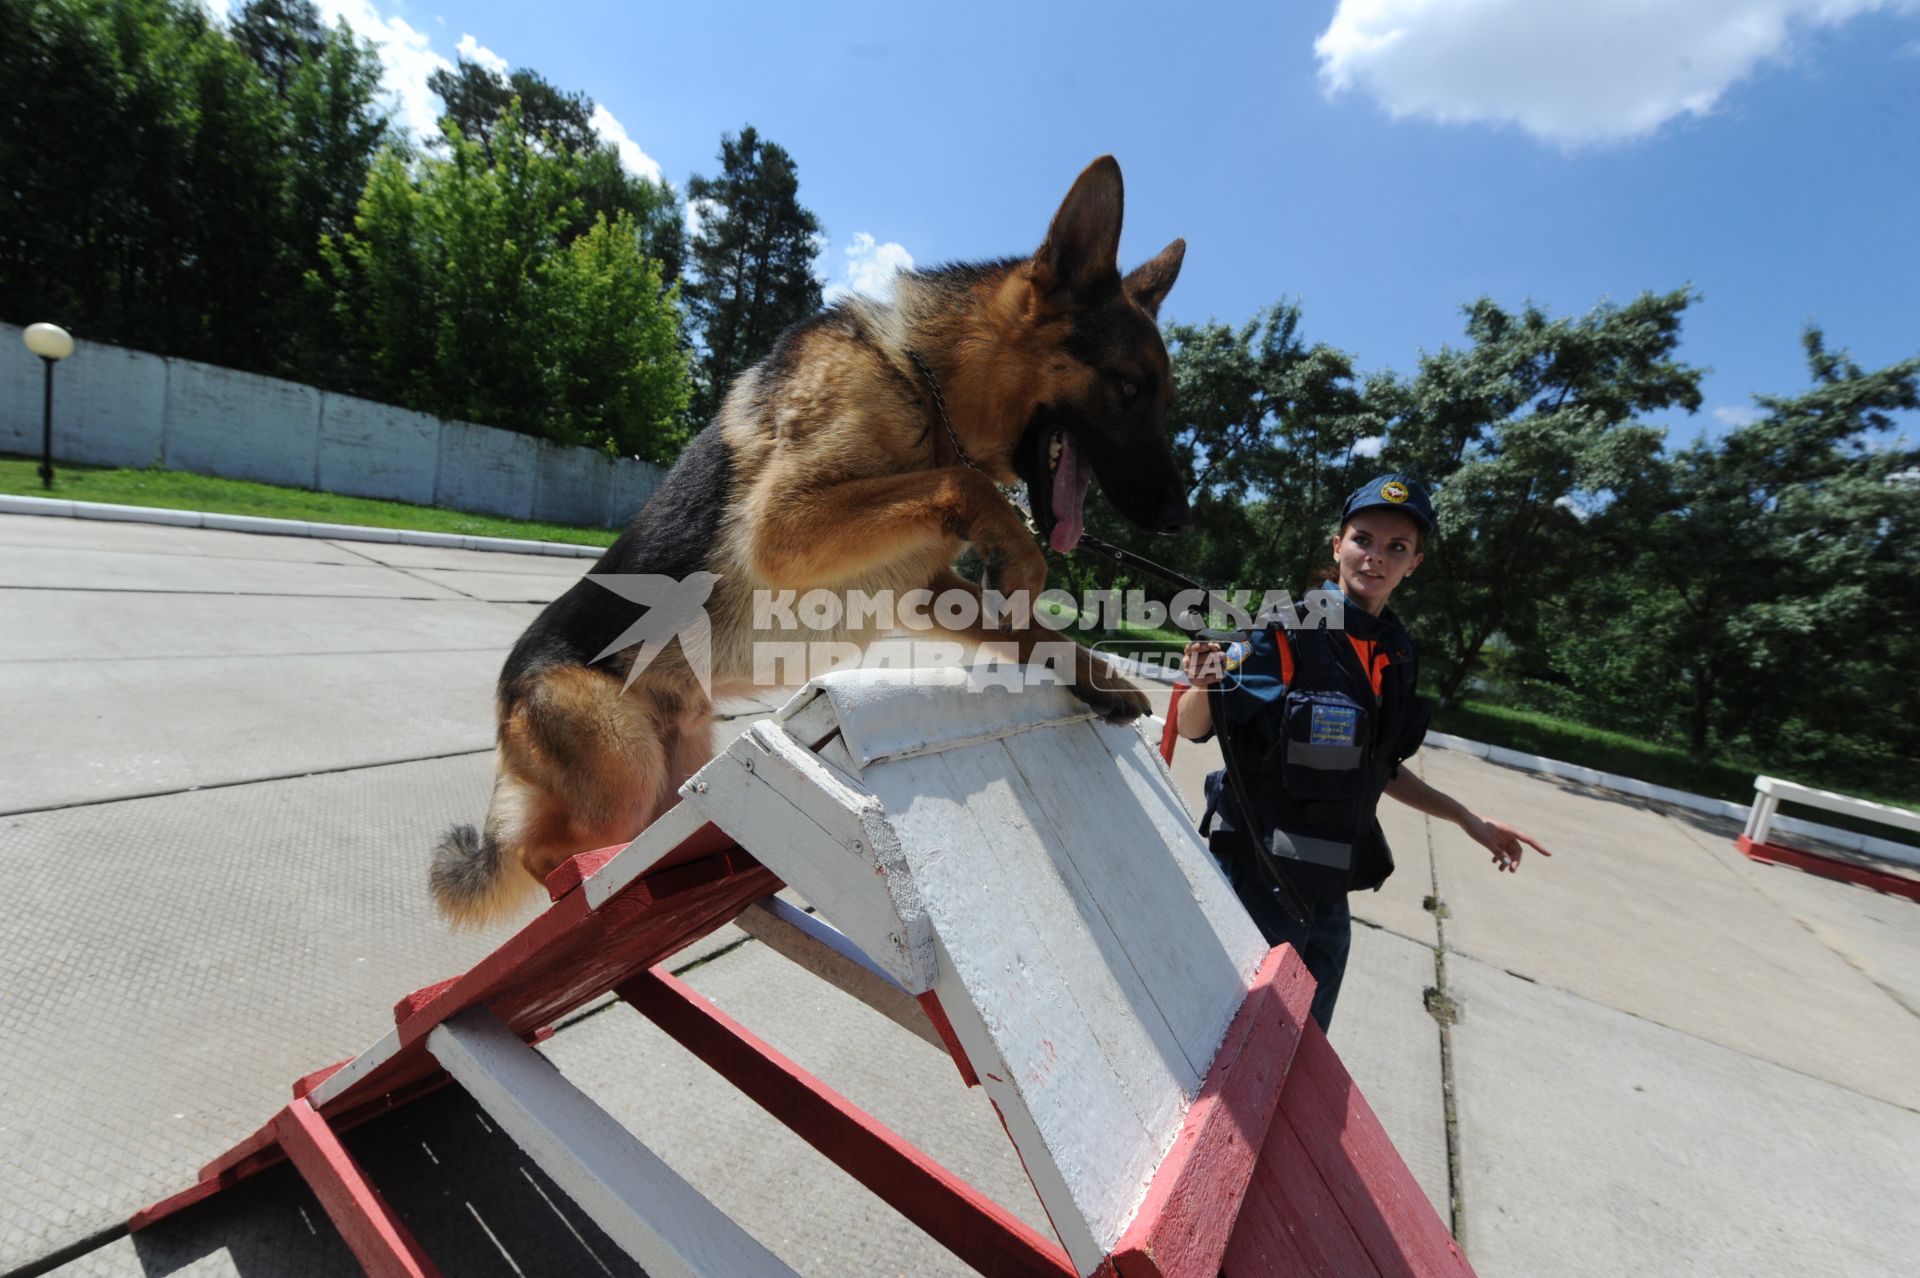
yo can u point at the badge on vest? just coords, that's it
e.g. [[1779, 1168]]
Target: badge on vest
[[1333, 725]]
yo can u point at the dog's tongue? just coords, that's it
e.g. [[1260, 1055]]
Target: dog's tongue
[[1070, 482]]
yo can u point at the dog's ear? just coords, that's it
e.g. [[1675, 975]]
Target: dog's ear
[[1081, 253], [1148, 283]]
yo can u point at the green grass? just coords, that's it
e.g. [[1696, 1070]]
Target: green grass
[[19, 476], [1729, 778]]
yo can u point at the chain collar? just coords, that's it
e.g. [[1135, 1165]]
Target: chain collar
[[940, 403]]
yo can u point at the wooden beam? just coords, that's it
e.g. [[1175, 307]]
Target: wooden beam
[[652, 1214], [811, 942], [953, 1213], [383, 1246], [1182, 1227]]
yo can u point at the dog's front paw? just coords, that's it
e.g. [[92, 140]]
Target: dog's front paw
[[1111, 699], [1012, 569]]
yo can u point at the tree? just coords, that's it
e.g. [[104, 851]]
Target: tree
[[619, 378], [477, 96], [545, 116], [461, 294], [328, 82], [1521, 433], [753, 256], [144, 166], [281, 36], [1778, 577]]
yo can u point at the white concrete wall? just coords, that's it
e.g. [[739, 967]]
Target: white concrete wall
[[118, 407]]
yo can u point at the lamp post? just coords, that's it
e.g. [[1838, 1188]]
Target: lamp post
[[52, 344]]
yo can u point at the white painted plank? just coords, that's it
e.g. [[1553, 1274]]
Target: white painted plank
[[834, 751], [669, 830], [1864, 809], [1069, 1041], [1050, 1178], [1147, 914], [807, 823], [1157, 794], [652, 1214], [356, 1069], [886, 714], [808, 941]]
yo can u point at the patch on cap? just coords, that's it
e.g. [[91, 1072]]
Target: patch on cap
[[1393, 490]]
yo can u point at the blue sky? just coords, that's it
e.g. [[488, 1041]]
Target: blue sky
[[1383, 161]]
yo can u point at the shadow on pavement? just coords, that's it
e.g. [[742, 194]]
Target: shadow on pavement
[[477, 1205]]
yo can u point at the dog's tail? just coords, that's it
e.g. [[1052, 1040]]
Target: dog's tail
[[471, 879]]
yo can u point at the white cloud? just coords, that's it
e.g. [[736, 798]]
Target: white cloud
[[473, 51], [870, 268], [1572, 72], [1738, 415], [408, 57], [1370, 446], [632, 158], [698, 211]]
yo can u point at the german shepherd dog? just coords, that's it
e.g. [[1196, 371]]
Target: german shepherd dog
[[862, 453]]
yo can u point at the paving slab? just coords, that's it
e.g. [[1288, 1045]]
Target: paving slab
[[41, 531], [83, 732], [62, 568], [84, 625], [1391, 1045], [515, 587], [401, 555], [173, 964], [1596, 1142], [1631, 913], [1877, 933]]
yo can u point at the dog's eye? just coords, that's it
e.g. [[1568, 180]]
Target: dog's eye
[[1129, 389]]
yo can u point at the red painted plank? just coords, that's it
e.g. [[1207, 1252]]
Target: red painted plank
[[186, 1198], [411, 1004], [305, 1084], [574, 871], [570, 954], [1291, 1223], [1831, 867], [384, 1247], [1182, 1227], [973, 1227], [937, 1015], [1383, 1204], [260, 1142]]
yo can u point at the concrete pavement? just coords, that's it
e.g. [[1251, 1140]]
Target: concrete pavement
[[227, 756]]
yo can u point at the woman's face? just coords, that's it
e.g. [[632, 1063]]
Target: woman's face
[[1374, 553]]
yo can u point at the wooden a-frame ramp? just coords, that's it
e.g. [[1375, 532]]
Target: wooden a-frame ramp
[[997, 871]]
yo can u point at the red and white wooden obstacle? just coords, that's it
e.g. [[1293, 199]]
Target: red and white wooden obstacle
[[1754, 841], [1000, 873]]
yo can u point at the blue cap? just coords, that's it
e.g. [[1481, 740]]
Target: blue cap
[[1392, 492]]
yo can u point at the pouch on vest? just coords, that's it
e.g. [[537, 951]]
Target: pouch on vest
[[1324, 750]]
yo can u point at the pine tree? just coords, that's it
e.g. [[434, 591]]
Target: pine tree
[[753, 251]]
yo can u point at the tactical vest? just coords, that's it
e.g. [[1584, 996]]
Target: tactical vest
[[1319, 760]]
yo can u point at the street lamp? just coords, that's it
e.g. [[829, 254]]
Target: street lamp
[[52, 344]]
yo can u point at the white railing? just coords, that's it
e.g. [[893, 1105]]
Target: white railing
[[1769, 791]]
